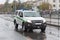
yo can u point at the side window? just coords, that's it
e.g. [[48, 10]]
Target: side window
[[20, 14]]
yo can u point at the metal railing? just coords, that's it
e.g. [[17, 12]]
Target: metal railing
[[52, 18]]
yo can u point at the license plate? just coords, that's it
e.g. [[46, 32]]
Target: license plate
[[38, 23]]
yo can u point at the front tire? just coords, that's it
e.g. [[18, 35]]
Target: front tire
[[16, 25], [43, 29], [31, 30], [14, 21]]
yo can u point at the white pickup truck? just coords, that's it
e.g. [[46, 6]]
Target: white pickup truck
[[29, 20]]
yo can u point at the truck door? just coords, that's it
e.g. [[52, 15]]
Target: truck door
[[20, 18]]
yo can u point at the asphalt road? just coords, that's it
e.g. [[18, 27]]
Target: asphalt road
[[7, 32]]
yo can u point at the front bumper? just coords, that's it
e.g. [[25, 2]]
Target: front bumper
[[36, 25]]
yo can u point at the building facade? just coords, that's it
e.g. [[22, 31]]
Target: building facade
[[55, 3]]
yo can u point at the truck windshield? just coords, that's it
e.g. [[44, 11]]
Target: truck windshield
[[31, 14]]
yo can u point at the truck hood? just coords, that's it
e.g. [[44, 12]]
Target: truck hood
[[35, 18]]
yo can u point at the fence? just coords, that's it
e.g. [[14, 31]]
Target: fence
[[52, 18]]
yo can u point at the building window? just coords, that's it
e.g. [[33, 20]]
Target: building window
[[54, 0], [54, 5]]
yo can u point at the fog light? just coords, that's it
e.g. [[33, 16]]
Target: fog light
[[28, 24]]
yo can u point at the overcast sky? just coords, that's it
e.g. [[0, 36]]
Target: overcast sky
[[3, 1]]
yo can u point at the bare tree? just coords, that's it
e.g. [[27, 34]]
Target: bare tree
[[6, 5]]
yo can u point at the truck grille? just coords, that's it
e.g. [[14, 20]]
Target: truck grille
[[37, 21]]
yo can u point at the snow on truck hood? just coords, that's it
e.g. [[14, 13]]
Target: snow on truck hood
[[35, 18]]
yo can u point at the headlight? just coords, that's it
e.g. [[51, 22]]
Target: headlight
[[29, 21], [44, 21]]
